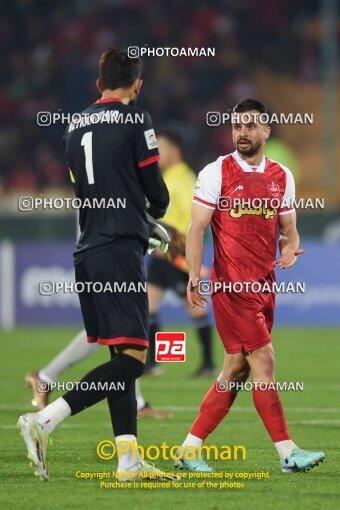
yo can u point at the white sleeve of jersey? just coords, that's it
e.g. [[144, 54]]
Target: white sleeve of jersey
[[288, 201], [207, 189]]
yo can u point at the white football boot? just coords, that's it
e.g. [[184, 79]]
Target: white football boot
[[36, 440]]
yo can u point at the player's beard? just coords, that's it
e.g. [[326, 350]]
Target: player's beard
[[249, 150]]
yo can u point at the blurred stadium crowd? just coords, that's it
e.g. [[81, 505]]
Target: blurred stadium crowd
[[49, 54]]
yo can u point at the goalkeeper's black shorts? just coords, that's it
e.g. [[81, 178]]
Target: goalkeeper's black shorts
[[163, 274], [114, 305]]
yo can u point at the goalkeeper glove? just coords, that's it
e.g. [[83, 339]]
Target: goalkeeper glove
[[158, 236]]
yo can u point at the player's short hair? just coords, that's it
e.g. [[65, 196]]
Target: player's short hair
[[245, 105], [118, 70], [172, 136]]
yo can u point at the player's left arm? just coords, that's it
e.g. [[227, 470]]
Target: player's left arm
[[289, 241], [148, 171]]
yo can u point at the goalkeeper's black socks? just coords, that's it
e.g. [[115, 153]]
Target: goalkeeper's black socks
[[204, 332], [123, 411], [112, 379]]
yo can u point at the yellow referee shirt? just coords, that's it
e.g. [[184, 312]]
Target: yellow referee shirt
[[180, 180]]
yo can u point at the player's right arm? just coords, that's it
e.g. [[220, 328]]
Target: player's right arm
[[206, 194], [200, 219]]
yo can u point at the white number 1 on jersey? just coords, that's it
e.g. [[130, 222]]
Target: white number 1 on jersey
[[86, 142]]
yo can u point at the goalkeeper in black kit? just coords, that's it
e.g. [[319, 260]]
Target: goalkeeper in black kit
[[113, 158]]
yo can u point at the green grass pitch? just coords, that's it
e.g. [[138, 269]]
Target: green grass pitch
[[307, 355]]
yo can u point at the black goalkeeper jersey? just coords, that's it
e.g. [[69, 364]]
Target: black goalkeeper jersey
[[107, 150]]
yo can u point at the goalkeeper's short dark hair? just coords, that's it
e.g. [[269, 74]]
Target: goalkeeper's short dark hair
[[118, 70], [173, 136]]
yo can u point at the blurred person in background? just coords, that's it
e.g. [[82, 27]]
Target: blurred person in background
[[279, 150], [163, 275]]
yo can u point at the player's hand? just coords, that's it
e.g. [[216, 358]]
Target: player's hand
[[193, 296], [288, 257]]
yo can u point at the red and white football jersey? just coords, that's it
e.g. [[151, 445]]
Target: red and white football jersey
[[247, 202]]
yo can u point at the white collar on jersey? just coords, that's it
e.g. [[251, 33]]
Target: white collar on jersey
[[246, 167]]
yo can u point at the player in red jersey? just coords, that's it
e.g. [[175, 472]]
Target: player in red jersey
[[247, 199]]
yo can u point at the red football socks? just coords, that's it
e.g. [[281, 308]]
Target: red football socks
[[214, 408], [269, 407], [216, 405]]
